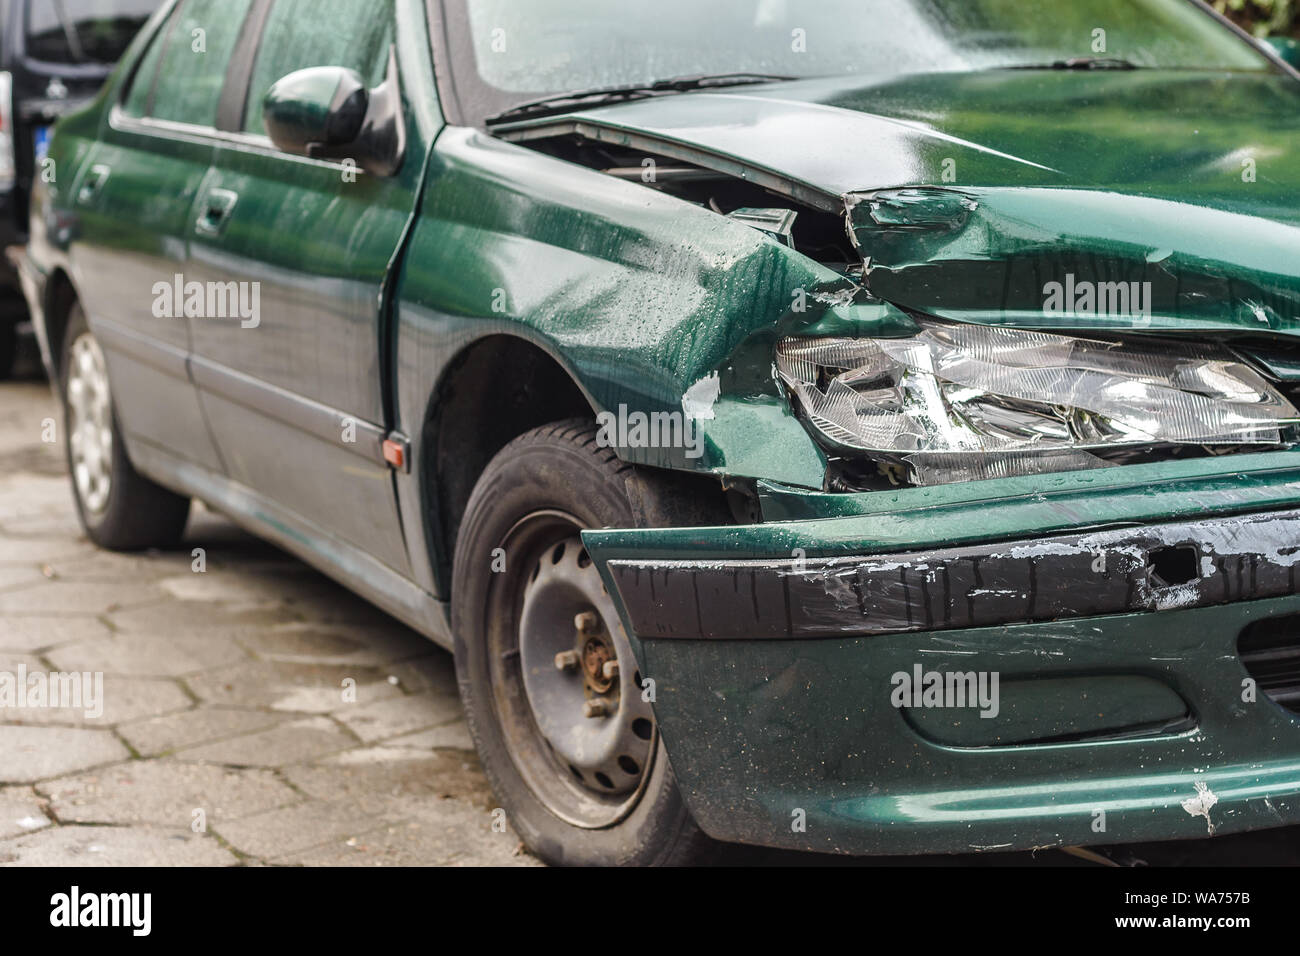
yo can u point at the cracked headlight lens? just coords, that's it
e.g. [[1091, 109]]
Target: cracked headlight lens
[[964, 402]]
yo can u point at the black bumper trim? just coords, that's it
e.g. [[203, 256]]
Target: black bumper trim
[[1231, 559]]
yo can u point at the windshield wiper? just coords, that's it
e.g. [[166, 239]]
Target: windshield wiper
[[563, 102], [1082, 63]]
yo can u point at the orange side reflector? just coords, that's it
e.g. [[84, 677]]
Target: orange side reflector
[[394, 454]]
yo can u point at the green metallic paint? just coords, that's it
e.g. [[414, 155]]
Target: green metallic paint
[[762, 730], [639, 297], [1286, 48], [1021, 177], [915, 519], [1047, 710], [638, 294]]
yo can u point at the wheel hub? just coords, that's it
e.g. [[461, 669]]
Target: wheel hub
[[90, 424], [579, 675], [595, 655]]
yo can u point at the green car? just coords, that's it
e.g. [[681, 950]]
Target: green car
[[865, 428]]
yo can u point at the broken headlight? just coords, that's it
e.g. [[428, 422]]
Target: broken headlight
[[965, 402]]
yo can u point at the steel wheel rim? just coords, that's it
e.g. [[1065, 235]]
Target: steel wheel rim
[[558, 750], [90, 424]]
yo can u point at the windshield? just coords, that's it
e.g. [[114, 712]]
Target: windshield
[[84, 31], [506, 52]]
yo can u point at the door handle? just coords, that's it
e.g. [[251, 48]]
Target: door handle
[[94, 182], [214, 213]]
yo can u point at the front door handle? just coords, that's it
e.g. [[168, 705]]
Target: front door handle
[[214, 212], [94, 182]]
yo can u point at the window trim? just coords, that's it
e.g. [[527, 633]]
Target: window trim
[[211, 136], [232, 107]]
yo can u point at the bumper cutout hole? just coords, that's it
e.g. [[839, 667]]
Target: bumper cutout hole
[[1171, 567]]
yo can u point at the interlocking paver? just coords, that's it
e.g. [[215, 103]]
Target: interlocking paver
[[161, 735], [115, 847], [453, 736], [374, 776], [45, 551], [20, 633], [433, 672], [337, 644], [399, 715], [280, 746], [107, 700], [28, 754], [15, 577], [78, 597], [302, 688], [20, 812], [164, 793], [148, 655], [284, 831], [171, 616], [437, 833]]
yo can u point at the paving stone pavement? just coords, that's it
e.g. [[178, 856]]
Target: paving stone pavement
[[224, 737]]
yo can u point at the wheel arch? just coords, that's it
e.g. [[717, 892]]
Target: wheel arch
[[60, 296], [526, 386]]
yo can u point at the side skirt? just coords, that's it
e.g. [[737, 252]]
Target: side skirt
[[346, 564]]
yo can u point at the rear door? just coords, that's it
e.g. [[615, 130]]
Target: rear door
[[136, 197], [295, 394]]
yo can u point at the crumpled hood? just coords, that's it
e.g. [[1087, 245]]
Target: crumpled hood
[[972, 195]]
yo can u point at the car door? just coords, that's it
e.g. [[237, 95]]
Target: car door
[[295, 395], [135, 196]]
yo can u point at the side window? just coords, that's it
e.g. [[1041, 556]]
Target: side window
[[184, 69], [306, 33]]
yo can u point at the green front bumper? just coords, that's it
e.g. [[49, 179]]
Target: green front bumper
[[1125, 710]]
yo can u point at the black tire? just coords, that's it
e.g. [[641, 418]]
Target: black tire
[[561, 468], [137, 514]]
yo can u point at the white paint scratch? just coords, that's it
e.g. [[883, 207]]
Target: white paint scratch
[[699, 399], [1199, 805]]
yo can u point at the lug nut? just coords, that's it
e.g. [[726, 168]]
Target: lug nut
[[566, 661], [610, 670], [588, 622], [596, 707]]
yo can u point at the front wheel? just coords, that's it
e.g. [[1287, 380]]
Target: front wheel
[[551, 689]]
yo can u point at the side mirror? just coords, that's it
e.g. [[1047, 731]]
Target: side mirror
[[326, 112], [1286, 49]]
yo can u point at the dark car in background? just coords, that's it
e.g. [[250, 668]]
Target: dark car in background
[[54, 56]]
